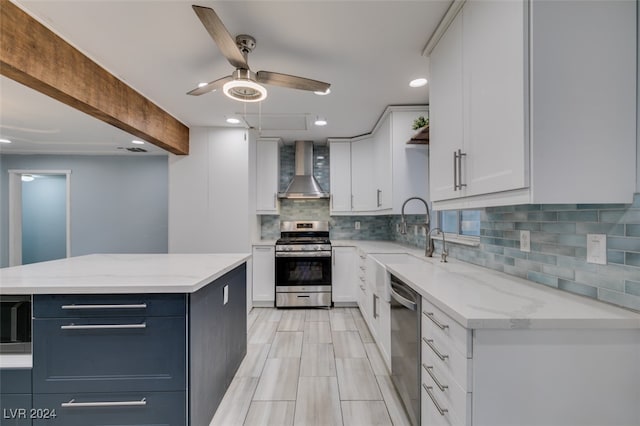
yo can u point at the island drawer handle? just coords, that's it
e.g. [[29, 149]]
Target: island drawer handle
[[431, 316], [429, 343], [440, 386], [74, 404], [130, 306], [441, 410], [103, 326]]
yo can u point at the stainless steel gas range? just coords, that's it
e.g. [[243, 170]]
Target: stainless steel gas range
[[303, 264]]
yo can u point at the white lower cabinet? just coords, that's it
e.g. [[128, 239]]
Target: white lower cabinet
[[264, 275], [527, 377], [343, 275]]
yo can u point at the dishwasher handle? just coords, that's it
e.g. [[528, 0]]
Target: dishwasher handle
[[403, 300]]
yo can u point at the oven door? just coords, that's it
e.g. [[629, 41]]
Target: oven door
[[303, 279]]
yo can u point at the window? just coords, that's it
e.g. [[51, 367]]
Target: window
[[460, 222]]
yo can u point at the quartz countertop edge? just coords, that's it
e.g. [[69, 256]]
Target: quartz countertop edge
[[479, 298], [120, 273]]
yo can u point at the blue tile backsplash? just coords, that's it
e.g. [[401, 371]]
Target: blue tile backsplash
[[559, 247], [558, 238]]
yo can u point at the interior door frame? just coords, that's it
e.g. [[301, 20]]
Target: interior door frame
[[15, 210]]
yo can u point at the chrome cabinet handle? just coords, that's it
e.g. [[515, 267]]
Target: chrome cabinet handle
[[429, 343], [275, 199], [263, 248], [437, 382], [403, 301], [379, 192], [441, 410], [103, 326], [457, 169], [74, 404], [375, 306], [431, 316], [129, 306]]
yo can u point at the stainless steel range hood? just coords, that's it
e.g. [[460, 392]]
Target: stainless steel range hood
[[304, 185]]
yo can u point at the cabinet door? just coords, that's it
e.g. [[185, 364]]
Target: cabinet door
[[363, 180], [264, 273], [445, 111], [235, 318], [340, 176], [267, 176], [382, 154], [343, 278], [493, 91]]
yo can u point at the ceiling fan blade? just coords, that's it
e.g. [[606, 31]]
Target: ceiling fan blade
[[210, 87], [291, 81], [218, 32]]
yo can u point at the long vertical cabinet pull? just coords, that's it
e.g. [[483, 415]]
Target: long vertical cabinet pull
[[457, 169], [379, 192], [375, 306], [275, 199]]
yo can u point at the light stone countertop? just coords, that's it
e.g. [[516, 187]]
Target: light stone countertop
[[119, 273], [478, 297]]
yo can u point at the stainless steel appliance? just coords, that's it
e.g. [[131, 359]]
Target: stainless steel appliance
[[15, 324], [303, 264], [405, 346]]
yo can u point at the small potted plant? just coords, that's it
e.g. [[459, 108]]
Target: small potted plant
[[420, 122]]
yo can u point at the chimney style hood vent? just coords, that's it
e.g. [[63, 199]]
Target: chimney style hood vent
[[304, 185]]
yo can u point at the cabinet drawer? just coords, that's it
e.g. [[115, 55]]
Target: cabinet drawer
[[109, 354], [436, 322], [452, 397], [15, 380], [15, 409], [126, 408], [430, 416], [454, 368], [107, 305]]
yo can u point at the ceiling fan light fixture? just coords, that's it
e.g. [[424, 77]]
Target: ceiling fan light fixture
[[323, 93], [233, 120], [320, 121], [137, 142], [244, 90]]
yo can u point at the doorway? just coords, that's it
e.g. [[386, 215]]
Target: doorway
[[39, 216]]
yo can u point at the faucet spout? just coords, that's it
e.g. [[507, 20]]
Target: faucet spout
[[445, 253], [403, 224]]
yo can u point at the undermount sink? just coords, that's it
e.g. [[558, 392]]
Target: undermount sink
[[389, 258]]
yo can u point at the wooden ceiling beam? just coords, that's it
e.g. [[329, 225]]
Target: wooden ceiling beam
[[33, 55]]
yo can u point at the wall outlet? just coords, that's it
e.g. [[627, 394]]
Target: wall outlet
[[423, 231], [525, 241], [415, 229], [357, 224], [597, 248], [398, 227]]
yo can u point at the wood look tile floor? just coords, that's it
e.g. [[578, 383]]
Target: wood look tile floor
[[310, 367]]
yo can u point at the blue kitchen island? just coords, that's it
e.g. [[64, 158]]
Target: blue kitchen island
[[121, 339]]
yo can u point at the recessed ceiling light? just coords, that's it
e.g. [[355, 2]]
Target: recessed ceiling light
[[5, 141], [320, 121], [202, 84], [233, 120], [27, 178], [138, 142], [326, 92], [418, 82]]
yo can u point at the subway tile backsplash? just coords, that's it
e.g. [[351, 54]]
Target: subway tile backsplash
[[559, 247]]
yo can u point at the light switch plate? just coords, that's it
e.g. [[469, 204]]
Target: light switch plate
[[525, 240], [597, 248]]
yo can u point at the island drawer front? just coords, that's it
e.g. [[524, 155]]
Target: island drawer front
[[107, 305], [438, 323], [109, 354], [15, 380], [123, 408], [455, 367]]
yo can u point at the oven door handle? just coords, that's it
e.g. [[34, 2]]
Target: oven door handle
[[323, 253], [403, 301]]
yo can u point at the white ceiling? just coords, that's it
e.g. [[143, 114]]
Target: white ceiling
[[367, 50]]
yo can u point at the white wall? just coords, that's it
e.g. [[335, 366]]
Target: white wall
[[209, 193], [638, 100]]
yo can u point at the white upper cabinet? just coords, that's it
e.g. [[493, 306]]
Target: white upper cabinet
[[340, 176], [374, 174], [523, 112], [267, 175]]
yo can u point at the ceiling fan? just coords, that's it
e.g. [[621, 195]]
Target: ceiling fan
[[243, 84]]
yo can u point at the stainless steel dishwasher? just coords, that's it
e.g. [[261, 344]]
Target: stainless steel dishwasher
[[405, 346]]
